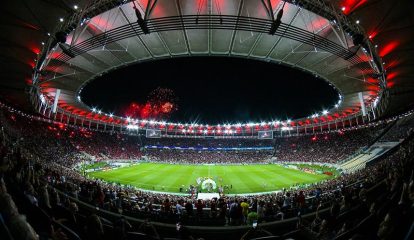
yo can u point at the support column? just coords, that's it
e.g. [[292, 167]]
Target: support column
[[55, 102], [362, 103]]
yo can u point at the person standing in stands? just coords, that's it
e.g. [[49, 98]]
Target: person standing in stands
[[189, 208], [199, 207], [213, 207], [183, 232], [179, 209], [245, 209], [94, 228], [235, 212], [166, 206], [223, 208]]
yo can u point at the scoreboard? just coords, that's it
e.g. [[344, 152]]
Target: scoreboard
[[153, 133], [265, 135]]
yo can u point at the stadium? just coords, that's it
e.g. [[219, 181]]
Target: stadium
[[207, 119]]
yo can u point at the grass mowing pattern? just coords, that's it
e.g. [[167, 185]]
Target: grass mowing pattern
[[244, 178]]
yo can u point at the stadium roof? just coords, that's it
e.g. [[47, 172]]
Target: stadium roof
[[109, 37]]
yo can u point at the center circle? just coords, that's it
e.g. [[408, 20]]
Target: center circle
[[210, 90]]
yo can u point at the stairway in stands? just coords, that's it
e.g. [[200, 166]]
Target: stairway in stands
[[388, 139]]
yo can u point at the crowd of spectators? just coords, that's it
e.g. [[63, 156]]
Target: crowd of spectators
[[70, 143], [77, 144], [322, 148], [208, 157], [210, 142], [400, 130], [326, 148], [103, 145], [374, 202]]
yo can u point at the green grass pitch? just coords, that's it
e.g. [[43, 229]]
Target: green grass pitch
[[243, 178]]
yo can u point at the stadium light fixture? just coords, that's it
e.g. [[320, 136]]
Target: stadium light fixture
[[111, 115], [325, 112], [99, 111], [132, 127], [286, 128], [61, 19], [93, 109], [289, 121]]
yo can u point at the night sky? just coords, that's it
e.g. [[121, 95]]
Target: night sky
[[215, 90]]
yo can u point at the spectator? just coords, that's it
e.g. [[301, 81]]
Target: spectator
[[94, 228], [21, 229]]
